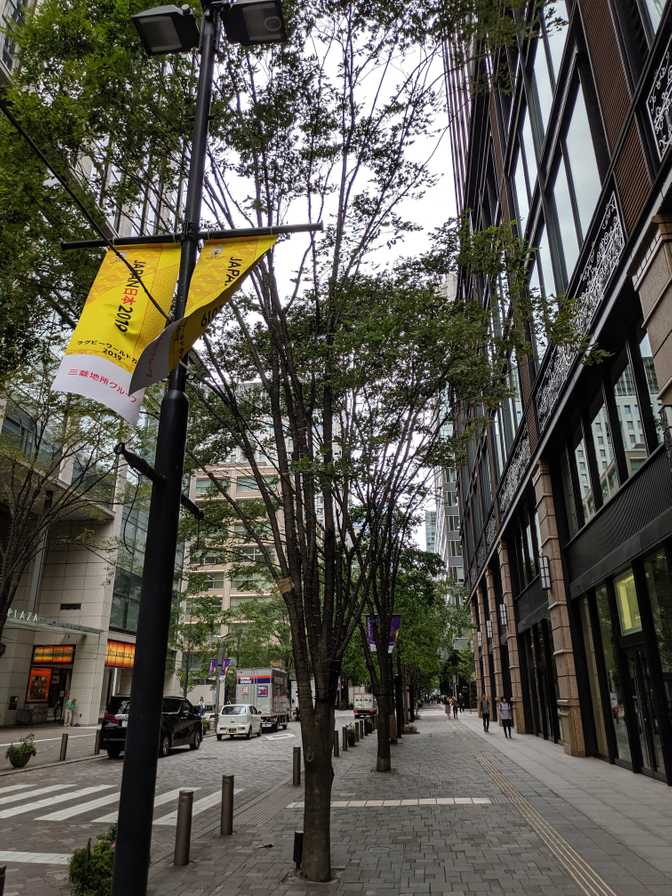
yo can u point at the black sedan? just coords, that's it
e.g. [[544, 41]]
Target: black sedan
[[181, 725]]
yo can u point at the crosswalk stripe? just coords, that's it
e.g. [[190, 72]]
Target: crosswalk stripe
[[12, 856], [52, 800], [159, 801], [199, 806], [15, 797], [5, 790], [80, 809]]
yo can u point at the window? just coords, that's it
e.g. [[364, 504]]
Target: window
[[250, 554], [629, 417], [606, 461], [655, 406], [252, 581], [652, 11], [566, 223], [247, 485], [539, 337], [215, 581], [585, 490], [582, 163], [614, 682], [516, 397], [555, 31], [497, 443], [525, 170], [520, 187], [541, 77], [205, 486], [568, 491], [626, 602]]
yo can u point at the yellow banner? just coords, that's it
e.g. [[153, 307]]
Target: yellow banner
[[117, 323], [221, 268]]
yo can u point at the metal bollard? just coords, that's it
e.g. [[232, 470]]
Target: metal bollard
[[226, 816], [96, 743], [296, 771], [337, 751], [356, 732], [361, 729], [344, 732], [64, 747], [367, 729], [3, 871], [185, 804], [298, 848]]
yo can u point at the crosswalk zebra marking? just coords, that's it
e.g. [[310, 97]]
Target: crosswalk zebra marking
[[5, 790], [80, 809], [15, 797], [199, 806], [34, 858], [159, 801], [53, 800]]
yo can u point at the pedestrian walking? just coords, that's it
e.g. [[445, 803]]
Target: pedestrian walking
[[506, 715], [485, 712], [201, 707], [446, 706], [454, 708], [70, 710]]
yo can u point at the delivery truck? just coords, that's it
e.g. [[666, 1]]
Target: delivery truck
[[364, 706], [268, 691]]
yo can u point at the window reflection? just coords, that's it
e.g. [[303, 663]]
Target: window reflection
[[614, 681], [629, 417], [582, 162], [565, 213], [583, 475], [654, 9], [568, 491], [627, 604], [604, 453], [651, 384], [555, 27], [542, 81]]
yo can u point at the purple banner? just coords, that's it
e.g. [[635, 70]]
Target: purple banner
[[226, 662], [212, 668], [372, 626]]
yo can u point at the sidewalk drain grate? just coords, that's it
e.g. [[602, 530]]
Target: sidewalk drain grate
[[585, 876]]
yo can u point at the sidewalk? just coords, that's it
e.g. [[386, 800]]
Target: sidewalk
[[81, 741], [457, 816]]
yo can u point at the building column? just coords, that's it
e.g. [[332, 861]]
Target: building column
[[486, 685], [512, 640], [477, 653], [569, 710], [494, 626]]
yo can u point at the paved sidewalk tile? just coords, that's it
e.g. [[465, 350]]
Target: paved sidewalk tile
[[458, 816]]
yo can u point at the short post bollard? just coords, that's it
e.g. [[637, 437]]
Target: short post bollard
[[185, 804], [64, 747], [356, 732], [226, 812], [367, 729], [296, 771], [344, 732], [297, 854], [96, 743], [361, 729], [337, 752], [3, 872]]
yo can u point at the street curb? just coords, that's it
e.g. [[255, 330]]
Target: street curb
[[37, 768]]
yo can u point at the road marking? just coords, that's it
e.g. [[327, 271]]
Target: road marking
[[35, 858], [199, 806], [388, 804], [80, 809], [280, 736], [15, 797], [159, 801], [5, 790], [52, 800]]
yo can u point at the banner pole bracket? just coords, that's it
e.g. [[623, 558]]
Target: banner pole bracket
[[141, 466]]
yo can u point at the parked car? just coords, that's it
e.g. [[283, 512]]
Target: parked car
[[181, 726], [239, 718], [365, 706]]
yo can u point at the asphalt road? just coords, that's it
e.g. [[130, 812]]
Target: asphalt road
[[47, 813]]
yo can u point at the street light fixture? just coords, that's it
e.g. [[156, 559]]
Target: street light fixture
[[255, 22], [169, 29]]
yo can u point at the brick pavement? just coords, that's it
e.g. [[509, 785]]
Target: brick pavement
[[506, 847]]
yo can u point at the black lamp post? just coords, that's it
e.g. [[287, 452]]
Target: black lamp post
[[171, 29]]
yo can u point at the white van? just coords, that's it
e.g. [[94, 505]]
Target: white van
[[239, 718]]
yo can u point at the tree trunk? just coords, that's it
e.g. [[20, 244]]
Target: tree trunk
[[317, 732], [384, 698]]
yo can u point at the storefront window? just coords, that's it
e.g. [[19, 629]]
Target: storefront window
[[629, 417], [593, 680], [626, 601], [659, 586], [604, 453], [651, 384], [614, 682]]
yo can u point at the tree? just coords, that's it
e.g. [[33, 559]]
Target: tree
[[197, 619], [259, 628]]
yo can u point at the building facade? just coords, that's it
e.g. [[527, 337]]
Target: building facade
[[566, 496]]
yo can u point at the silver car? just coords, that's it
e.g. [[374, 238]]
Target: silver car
[[239, 719]]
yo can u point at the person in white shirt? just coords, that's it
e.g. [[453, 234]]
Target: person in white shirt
[[506, 715]]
